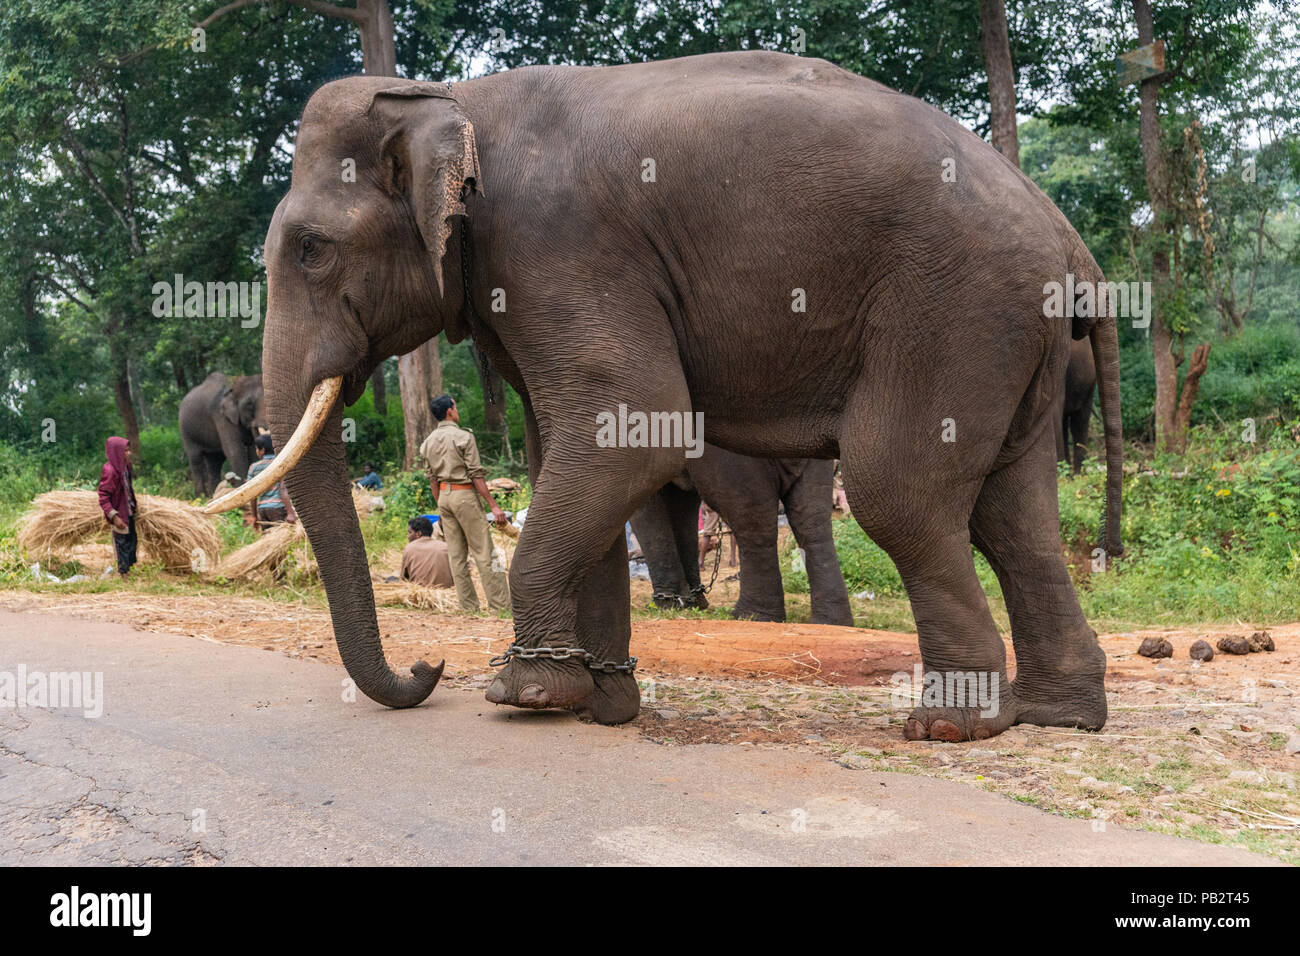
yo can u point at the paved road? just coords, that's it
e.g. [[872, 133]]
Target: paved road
[[263, 752]]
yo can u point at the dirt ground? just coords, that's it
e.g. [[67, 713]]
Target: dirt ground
[[1202, 750]]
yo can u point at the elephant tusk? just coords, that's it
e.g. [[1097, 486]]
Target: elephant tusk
[[313, 420]]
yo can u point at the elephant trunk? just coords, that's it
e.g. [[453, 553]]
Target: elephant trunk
[[318, 487]]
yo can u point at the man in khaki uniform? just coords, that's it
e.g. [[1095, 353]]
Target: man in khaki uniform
[[456, 477]]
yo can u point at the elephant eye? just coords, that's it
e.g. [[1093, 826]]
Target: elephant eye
[[312, 249]]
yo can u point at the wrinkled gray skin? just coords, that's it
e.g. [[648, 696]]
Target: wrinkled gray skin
[[746, 492], [924, 321], [1080, 384], [219, 419]]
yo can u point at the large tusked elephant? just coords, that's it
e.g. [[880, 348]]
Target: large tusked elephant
[[1080, 384], [219, 418], [746, 492], [818, 265]]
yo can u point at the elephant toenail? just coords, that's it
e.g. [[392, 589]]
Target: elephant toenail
[[533, 695], [944, 730], [496, 694], [981, 733], [914, 729]]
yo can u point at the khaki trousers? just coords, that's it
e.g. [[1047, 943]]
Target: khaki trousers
[[466, 530]]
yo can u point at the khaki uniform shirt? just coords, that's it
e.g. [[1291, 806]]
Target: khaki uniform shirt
[[425, 561], [450, 454]]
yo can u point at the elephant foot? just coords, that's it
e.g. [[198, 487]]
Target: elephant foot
[[678, 602], [995, 710], [748, 614], [954, 724], [837, 619], [1066, 693], [616, 700], [542, 682]]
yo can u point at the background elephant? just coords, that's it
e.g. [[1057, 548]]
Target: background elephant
[[219, 418], [746, 492], [813, 264], [1080, 383]]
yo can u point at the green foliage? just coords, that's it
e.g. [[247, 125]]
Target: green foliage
[[1209, 536], [1253, 374], [866, 567], [379, 438], [406, 496]]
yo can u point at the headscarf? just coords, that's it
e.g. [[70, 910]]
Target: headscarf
[[115, 450]]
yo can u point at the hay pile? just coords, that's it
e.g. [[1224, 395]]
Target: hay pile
[[366, 502], [410, 594], [263, 556], [177, 535]]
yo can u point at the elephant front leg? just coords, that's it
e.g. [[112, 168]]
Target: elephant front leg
[[601, 687], [569, 587], [569, 580]]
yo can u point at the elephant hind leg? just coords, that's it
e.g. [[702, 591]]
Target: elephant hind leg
[[762, 592], [208, 472], [198, 469], [1060, 668], [913, 494], [1078, 431], [808, 508]]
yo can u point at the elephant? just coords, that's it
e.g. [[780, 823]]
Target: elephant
[[1080, 383], [219, 418], [746, 492], [806, 261]]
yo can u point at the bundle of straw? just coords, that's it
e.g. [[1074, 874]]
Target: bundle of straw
[[410, 594], [366, 502], [265, 555], [177, 535]]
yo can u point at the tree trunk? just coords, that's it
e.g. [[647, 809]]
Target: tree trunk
[[379, 389], [1002, 78], [420, 378], [1166, 372], [126, 408], [1191, 384], [378, 46]]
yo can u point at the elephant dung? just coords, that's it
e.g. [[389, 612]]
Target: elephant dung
[[1156, 647], [1201, 651], [1260, 641], [1234, 645]]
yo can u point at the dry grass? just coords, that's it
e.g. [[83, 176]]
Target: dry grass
[[177, 535], [263, 556], [410, 594]]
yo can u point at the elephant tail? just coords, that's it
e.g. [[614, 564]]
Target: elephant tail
[[1102, 329], [1105, 354]]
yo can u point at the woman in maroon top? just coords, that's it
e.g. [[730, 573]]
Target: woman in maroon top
[[117, 498]]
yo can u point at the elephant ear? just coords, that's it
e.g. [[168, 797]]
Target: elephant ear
[[429, 156], [229, 408]]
